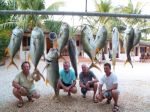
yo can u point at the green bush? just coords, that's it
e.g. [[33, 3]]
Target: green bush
[[4, 41]]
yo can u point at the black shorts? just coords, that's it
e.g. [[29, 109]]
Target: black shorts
[[91, 85], [65, 84]]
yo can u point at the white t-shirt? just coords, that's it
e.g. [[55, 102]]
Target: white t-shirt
[[109, 81]]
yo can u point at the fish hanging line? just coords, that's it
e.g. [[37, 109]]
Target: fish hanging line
[[35, 12]]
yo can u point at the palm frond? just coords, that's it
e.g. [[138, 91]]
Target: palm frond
[[55, 6], [7, 25]]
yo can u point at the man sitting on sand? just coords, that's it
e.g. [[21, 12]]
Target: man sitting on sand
[[67, 79], [24, 85], [87, 81], [111, 82]]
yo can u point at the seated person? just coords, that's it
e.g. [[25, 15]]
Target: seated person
[[87, 81], [67, 80], [110, 80], [24, 85]]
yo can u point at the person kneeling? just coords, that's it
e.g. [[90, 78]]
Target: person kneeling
[[67, 80], [88, 81], [111, 92], [24, 85]]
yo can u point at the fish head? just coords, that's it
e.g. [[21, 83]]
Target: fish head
[[52, 55]]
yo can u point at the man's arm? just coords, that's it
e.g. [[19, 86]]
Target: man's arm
[[73, 84], [94, 79], [81, 84], [16, 85], [100, 88]]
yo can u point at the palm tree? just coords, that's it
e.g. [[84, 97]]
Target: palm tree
[[103, 6], [131, 9], [30, 21]]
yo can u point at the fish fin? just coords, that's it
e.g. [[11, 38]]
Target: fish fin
[[12, 62], [94, 65], [7, 51], [127, 61], [114, 67], [29, 57], [46, 82], [113, 63], [97, 50]]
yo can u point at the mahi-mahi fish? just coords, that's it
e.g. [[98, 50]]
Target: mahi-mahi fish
[[36, 47], [14, 45], [129, 39], [115, 45], [72, 49], [53, 69]]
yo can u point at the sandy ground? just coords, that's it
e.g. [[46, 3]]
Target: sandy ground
[[134, 85]]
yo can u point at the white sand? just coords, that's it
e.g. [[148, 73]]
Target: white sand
[[134, 84]]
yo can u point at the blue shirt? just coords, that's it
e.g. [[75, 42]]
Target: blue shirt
[[67, 77]]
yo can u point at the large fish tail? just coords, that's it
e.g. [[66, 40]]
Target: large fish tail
[[7, 51], [46, 82], [38, 73], [12, 62], [113, 61], [94, 65], [29, 57], [128, 61]]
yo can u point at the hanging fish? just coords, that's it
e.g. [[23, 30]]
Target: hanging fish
[[14, 44], [72, 49], [87, 47], [36, 47], [129, 39], [137, 36], [52, 69], [101, 39], [115, 45]]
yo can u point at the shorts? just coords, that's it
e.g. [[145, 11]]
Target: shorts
[[84, 90], [107, 94], [65, 84], [31, 91]]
